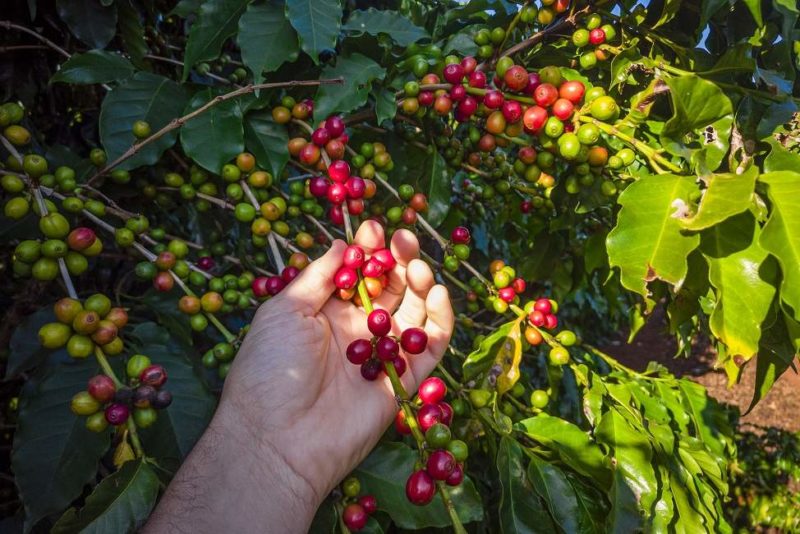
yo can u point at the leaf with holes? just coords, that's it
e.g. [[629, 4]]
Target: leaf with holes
[[317, 23]]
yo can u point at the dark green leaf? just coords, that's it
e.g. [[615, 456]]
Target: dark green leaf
[[25, 350], [184, 8], [217, 21], [521, 510], [147, 97], [89, 20], [710, 422], [215, 137], [317, 23], [375, 22], [668, 11], [439, 189], [696, 103], [552, 485], [120, 503], [267, 140], [54, 454], [624, 515], [385, 105], [380, 475], [95, 66], [358, 72], [266, 38], [132, 31]]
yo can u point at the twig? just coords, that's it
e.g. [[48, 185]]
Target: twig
[[7, 24]]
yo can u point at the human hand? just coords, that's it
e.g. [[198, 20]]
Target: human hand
[[301, 415]]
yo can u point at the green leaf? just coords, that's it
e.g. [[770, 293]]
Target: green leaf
[[573, 446], [439, 188], [780, 159], [781, 235], [696, 103], [216, 136], [120, 503], [743, 283], [647, 242], [358, 72], [520, 510], [668, 12], [380, 475], [95, 66], [776, 354], [266, 38], [216, 22], [181, 424], [482, 358], [184, 8], [710, 422], [624, 515], [267, 140], [54, 454], [552, 485], [25, 349], [317, 23], [385, 105], [755, 9], [632, 455], [726, 195], [147, 97], [131, 31], [376, 22], [89, 20], [708, 9]]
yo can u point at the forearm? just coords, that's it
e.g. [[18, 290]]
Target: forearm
[[233, 481]]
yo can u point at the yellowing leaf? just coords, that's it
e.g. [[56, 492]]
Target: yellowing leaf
[[508, 357], [123, 453]]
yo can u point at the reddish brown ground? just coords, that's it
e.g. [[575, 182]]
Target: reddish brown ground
[[780, 408]]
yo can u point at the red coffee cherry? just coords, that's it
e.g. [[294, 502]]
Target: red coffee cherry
[[512, 111], [519, 285], [447, 413], [453, 73], [369, 503], [318, 186], [206, 263], [143, 396], [543, 305], [597, 36], [81, 238], [379, 322], [414, 340], [337, 193], [355, 206], [371, 369], [507, 294], [162, 399], [468, 105], [469, 63], [354, 517], [432, 390], [477, 79], [335, 126], [420, 488], [536, 318], [428, 415], [456, 477], [101, 388], [345, 278], [534, 81], [336, 214], [320, 137], [545, 95], [457, 93], [440, 464], [534, 118], [385, 258], [550, 321], [460, 235], [275, 285], [372, 268], [339, 171], [400, 365], [516, 78], [353, 257], [426, 98], [563, 109], [493, 99], [117, 414], [359, 351], [355, 187], [387, 349], [154, 375], [572, 91], [289, 273]]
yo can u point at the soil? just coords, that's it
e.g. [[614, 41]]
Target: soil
[[780, 408]]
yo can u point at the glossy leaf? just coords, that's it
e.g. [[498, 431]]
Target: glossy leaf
[[95, 66], [266, 38], [624, 515], [521, 509], [317, 23], [54, 454], [131, 31], [439, 189], [776, 355], [147, 97], [481, 358], [383, 474], [696, 103], [217, 21], [215, 137], [120, 503], [383, 22], [781, 235], [572, 445], [725, 195], [385, 105], [89, 20], [267, 140], [358, 72], [647, 242], [552, 485]]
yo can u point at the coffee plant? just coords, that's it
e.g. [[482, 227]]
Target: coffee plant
[[568, 166]]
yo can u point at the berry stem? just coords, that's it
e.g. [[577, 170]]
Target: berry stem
[[451, 508], [138, 450], [100, 356]]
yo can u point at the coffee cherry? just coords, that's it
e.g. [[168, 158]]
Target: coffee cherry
[[143, 396], [458, 449], [432, 390], [414, 340], [420, 488], [384, 258], [162, 399], [437, 436], [566, 338], [387, 349], [345, 278], [289, 273], [428, 415], [559, 356], [144, 417], [117, 414], [84, 404], [516, 78], [534, 118], [355, 188], [460, 235], [351, 487], [339, 171], [353, 257], [153, 375], [400, 423], [543, 305], [136, 364], [81, 238], [533, 336], [545, 95], [80, 346], [597, 36], [96, 422], [54, 226], [371, 369], [379, 322], [454, 73], [369, 503], [101, 388], [550, 321], [105, 332], [456, 477], [539, 398], [141, 129], [440, 464], [359, 351], [66, 309], [355, 517], [334, 125], [447, 413]]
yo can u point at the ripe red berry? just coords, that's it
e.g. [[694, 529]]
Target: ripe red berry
[[543, 305], [454, 73], [432, 390], [387, 349], [447, 413], [369, 503], [550, 321], [117, 414], [525, 206], [337, 193], [477, 79], [507, 294], [536, 318], [428, 415], [469, 63], [259, 287], [400, 423], [81, 238], [275, 285], [163, 281], [426, 98], [457, 93], [336, 214], [206, 263], [289, 273], [355, 187], [414, 340], [493, 99], [309, 154], [572, 91], [353, 257], [379, 322], [354, 517], [440, 464], [563, 108], [545, 95], [359, 351], [371, 369], [597, 36], [102, 388], [399, 365], [534, 81], [385, 258], [339, 171], [320, 137], [534, 118], [460, 235], [516, 78], [519, 285], [345, 278], [456, 477], [318, 186], [420, 488], [334, 125], [355, 206], [512, 110], [153, 375], [372, 268], [467, 106]]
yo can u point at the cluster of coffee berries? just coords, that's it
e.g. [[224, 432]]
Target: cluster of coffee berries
[[372, 157], [103, 403], [220, 356], [356, 509], [290, 109], [11, 114], [594, 34], [84, 326], [269, 286], [458, 250], [224, 65], [416, 202], [374, 270], [507, 284], [39, 259], [444, 456]]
